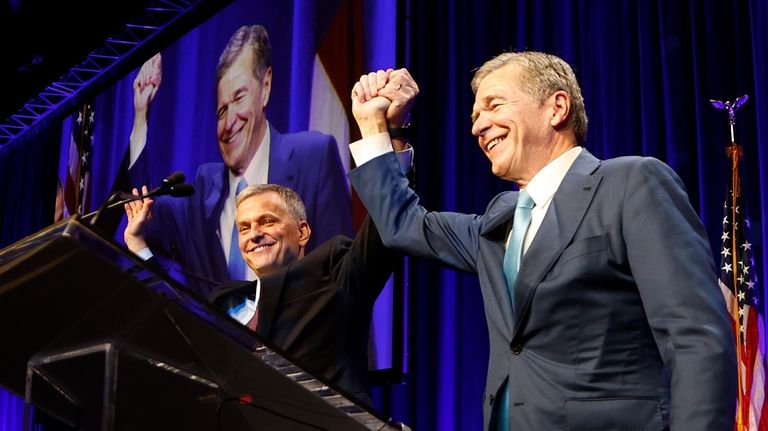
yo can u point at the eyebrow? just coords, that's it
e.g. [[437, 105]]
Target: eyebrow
[[238, 91], [484, 102]]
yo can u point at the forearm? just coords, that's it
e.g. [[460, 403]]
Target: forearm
[[403, 224], [137, 140]]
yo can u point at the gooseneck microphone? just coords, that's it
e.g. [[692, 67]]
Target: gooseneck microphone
[[173, 185], [173, 179]]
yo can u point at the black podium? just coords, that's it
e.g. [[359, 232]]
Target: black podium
[[98, 340]]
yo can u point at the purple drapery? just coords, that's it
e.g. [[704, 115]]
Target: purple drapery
[[647, 70]]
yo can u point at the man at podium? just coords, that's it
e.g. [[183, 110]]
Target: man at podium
[[316, 307]]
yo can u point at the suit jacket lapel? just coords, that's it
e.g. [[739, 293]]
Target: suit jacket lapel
[[216, 195], [565, 213], [280, 154], [495, 229], [214, 199], [271, 289]]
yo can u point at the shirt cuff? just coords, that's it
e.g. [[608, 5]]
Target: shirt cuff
[[369, 148], [135, 147], [145, 253]]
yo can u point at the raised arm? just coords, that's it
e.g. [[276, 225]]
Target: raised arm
[[145, 87], [403, 224]]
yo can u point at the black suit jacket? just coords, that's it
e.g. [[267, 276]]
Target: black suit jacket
[[318, 309]]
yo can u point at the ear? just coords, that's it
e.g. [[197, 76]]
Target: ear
[[561, 108], [266, 87], [304, 233]]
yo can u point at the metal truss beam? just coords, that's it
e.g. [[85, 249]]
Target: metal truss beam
[[160, 23]]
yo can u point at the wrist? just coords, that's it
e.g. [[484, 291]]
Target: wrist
[[372, 127], [135, 244]]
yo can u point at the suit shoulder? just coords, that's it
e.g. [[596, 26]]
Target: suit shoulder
[[208, 177], [503, 198], [641, 170], [208, 170], [331, 247], [629, 164], [321, 260], [311, 139]]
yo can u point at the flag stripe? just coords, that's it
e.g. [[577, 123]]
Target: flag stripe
[[738, 283]]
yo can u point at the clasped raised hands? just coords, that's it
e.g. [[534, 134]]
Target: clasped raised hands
[[383, 99]]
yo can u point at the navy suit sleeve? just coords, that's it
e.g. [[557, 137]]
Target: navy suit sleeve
[[671, 261], [449, 238]]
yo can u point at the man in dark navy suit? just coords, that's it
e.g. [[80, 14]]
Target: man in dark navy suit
[[597, 277]]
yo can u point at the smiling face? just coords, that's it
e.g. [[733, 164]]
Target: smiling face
[[518, 133], [240, 110], [269, 236], [512, 128]]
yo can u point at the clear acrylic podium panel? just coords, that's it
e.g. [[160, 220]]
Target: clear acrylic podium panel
[[101, 341], [95, 387]]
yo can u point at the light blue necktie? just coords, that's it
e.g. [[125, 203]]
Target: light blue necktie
[[236, 266], [512, 259], [515, 247]]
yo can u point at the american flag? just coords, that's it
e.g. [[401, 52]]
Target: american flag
[[738, 282], [74, 197]]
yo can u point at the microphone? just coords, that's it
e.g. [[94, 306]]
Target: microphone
[[181, 190], [166, 185], [176, 190], [171, 185], [173, 179]]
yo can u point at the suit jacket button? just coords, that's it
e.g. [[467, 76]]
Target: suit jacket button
[[516, 349], [490, 400]]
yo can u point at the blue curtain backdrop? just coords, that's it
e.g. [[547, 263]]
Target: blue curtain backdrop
[[647, 68]]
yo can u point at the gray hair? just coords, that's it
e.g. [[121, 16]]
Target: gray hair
[[542, 74], [256, 39], [291, 200]]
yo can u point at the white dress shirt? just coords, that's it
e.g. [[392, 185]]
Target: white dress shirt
[[542, 188], [244, 311]]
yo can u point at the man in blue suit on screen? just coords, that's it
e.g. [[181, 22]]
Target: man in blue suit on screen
[[198, 232], [598, 282]]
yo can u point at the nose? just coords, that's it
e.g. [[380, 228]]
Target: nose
[[481, 124], [255, 232], [231, 118]]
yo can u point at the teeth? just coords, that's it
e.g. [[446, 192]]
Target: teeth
[[494, 142]]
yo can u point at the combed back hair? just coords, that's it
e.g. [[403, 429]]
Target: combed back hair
[[252, 37], [291, 199], [541, 75]]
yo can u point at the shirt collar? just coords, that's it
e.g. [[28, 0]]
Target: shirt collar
[[544, 184]]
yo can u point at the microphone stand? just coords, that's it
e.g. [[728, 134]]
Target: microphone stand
[[171, 185], [175, 190], [110, 203]]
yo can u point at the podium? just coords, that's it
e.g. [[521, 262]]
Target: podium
[[97, 339]]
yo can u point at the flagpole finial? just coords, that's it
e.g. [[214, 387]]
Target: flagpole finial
[[731, 107]]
